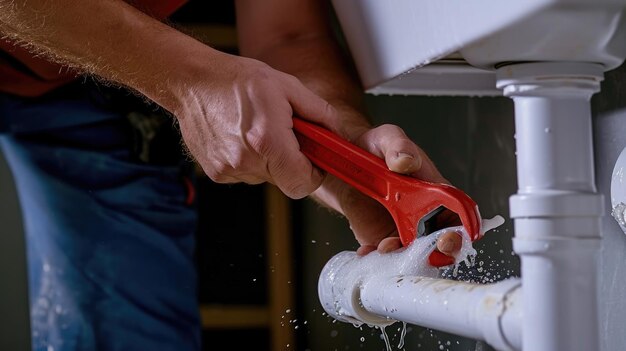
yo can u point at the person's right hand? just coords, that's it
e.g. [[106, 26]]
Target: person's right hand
[[237, 123], [370, 222]]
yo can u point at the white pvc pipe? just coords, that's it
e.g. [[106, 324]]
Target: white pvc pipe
[[557, 234], [556, 210], [484, 312]]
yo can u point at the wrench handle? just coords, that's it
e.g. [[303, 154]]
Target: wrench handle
[[346, 161]]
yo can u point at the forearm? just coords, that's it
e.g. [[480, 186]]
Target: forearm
[[317, 61], [294, 36], [110, 39]]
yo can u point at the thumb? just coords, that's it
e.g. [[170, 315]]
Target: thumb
[[400, 153]]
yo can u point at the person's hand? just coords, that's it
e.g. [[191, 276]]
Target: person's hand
[[449, 243], [370, 222], [237, 124]]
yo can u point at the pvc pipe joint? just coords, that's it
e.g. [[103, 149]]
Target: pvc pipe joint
[[340, 294], [550, 79], [486, 312]]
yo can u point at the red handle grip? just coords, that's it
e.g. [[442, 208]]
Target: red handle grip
[[342, 159], [407, 199]]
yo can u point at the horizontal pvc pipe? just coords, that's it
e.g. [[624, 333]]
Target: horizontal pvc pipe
[[485, 312]]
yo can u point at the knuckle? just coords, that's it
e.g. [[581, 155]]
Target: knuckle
[[222, 168], [279, 162], [292, 80], [219, 172], [288, 179], [329, 112], [236, 161], [297, 189], [260, 70], [389, 129], [347, 200], [215, 176], [261, 74], [261, 143]]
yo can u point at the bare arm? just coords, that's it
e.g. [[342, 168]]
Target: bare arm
[[294, 36], [234, 113], [110, 39]]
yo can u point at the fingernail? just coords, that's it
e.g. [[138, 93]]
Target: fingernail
[[404, 163], [385, 249], [405, 155], [446, 246], [449, 243]]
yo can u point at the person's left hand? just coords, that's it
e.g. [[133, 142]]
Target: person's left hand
[[370, 222]]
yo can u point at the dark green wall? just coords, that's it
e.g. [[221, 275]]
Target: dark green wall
[[14, 323]]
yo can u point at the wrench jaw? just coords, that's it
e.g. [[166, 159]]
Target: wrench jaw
[[426, 224], [408, 230], [408, 200], [420, 219], [472, 223], [463, 206]]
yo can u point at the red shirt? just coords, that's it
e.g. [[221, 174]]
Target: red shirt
[[28, 75]]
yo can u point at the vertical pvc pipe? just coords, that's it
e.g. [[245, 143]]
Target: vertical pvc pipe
[[556, 210]]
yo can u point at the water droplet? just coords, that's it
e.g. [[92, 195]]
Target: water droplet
[[618, 213]]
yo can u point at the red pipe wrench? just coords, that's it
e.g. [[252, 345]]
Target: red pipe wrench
[[409, 201]]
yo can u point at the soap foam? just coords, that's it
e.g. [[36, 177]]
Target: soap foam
[[347, 270], [619, 213]]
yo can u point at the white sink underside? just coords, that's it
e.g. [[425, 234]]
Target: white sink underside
[[390, 38]]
